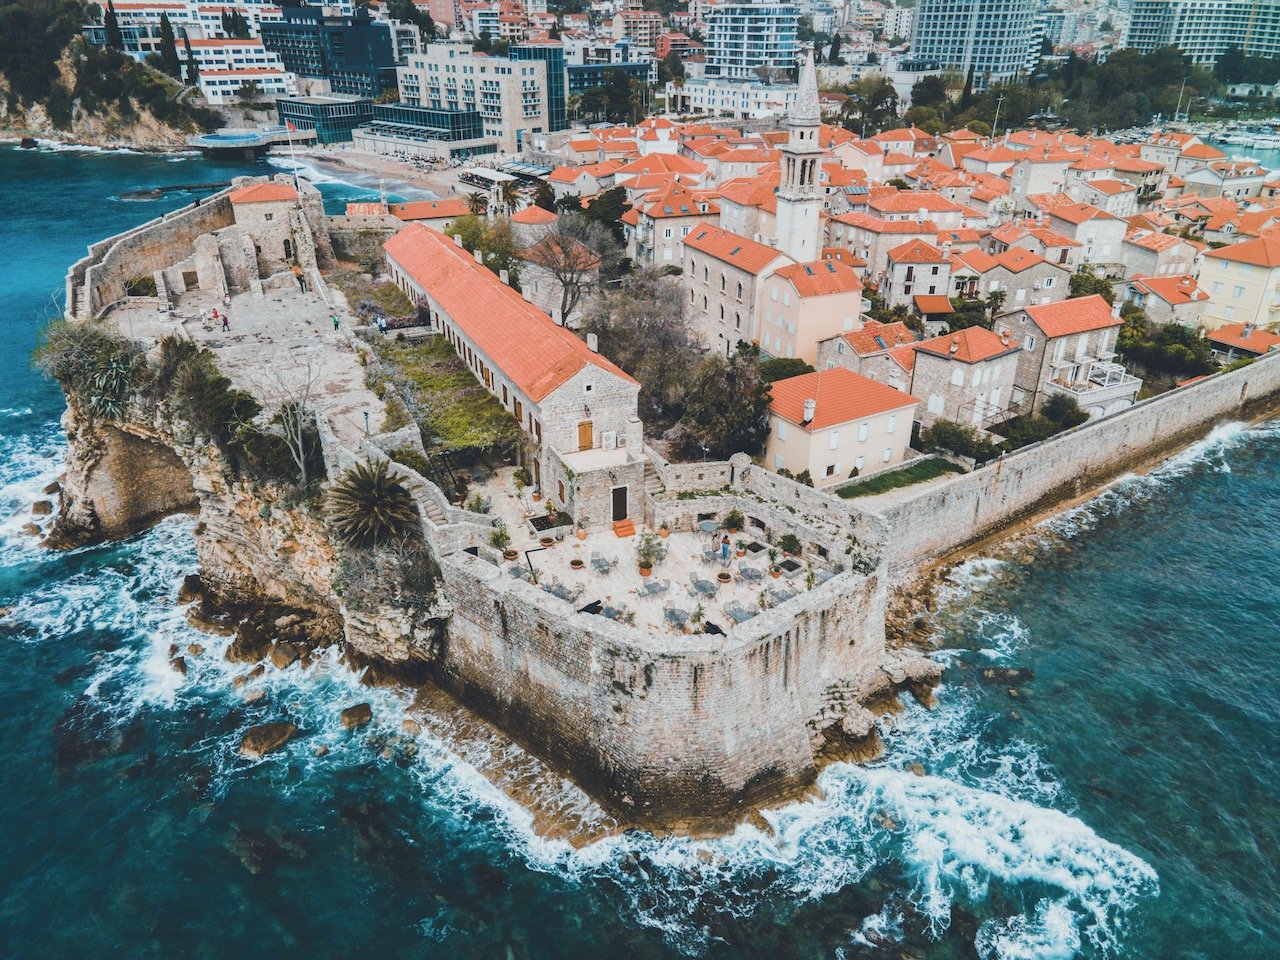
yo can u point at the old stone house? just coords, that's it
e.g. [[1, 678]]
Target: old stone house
[[1069, 348], [966, 376], [722, 279], [912, 269], [1168, 299], [582, 439], [805, 303], [1022, 276]]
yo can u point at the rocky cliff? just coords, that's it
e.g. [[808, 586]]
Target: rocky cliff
[[268, 565]]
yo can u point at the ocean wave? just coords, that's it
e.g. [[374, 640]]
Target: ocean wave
[[28, 463], [976, 822]]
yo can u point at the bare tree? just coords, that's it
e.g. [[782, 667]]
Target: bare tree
[[288, 388], [575, 250]]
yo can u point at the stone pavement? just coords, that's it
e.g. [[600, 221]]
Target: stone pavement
[[276, 344]]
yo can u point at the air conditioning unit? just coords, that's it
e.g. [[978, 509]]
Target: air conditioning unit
[[609, 439]]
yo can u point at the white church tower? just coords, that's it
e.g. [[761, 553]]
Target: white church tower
[[799, 219]]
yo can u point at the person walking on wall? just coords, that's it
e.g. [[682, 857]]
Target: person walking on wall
[[302, 281], [226, 324], [334, 318]]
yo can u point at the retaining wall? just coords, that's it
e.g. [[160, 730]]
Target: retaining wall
[[955, 513]]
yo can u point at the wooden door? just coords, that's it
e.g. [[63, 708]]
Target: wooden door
[[585, 435], [619, 503]]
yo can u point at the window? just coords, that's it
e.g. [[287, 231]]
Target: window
[[773, 294], [864, 431], [586, 387], [859, 463], [724, 282], [957, 377], [1231, 313], [1049, 282], [887, 455], [833, 441], [831, 470], [782, 430], [840, 347], [936, 403], [1237, 291], [1217, 286], [777, 461], [667, 233], [891, 424], [739, 291]]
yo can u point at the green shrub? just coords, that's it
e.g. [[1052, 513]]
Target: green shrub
[[1063, 411], [141, 286], [96, 367], [780, 368], [412, 459], [963, 441], [789, 543]]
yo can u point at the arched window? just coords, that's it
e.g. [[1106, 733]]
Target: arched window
[[723, 282], [722, 311], [739, 291]]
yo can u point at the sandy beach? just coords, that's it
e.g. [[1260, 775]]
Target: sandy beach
[[366, 169]]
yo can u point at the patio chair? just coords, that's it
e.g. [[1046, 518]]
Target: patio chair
[[750, 574], [675, 616]]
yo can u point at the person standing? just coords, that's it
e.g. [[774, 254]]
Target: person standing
[[334, 318], [724, 549], [226, 323], [302, 281]]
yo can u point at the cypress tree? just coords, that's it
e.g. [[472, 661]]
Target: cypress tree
[[193, 71], [115, 39], [966, 95], [168, 47]]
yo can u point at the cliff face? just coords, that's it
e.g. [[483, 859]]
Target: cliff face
[[267, 565]]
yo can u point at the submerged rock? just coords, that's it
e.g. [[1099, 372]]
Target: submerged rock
[[260, 740], [355, 717], [192, 588], [32, 529], [41, 508], [50, 489], [195, 649], [179, 665], [1008, 676]]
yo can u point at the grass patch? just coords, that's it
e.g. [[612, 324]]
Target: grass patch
[[370, 300], [455, 412], [906, 477]]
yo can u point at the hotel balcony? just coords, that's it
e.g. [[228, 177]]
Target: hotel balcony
[[1100, 386]]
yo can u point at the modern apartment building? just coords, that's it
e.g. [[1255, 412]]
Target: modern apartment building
[[741, 37], [510, 96], [349, 55], [1203, 29], [1000, 39]]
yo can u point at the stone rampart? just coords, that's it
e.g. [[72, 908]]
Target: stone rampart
[[680, 727], [958, 512], [102, 276]]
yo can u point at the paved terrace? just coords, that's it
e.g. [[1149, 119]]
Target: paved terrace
[[275, 343], [684, 583]]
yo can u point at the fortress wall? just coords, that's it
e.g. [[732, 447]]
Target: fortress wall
[[958, 512], [659, 726]]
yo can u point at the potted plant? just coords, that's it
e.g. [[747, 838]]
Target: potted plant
[[773, 563], [741, 548], [647, 553], [763, 600], [582, 528], [664, 530], [576, 563], [500, 539], [698, 615], [733, 520], [521, 479], [790, 544]]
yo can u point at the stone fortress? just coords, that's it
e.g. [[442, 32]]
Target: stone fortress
[[616, 679]]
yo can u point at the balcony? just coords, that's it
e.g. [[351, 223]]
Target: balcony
[[1105, 387]]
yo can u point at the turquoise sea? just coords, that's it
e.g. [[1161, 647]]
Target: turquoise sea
[[1123, 804]]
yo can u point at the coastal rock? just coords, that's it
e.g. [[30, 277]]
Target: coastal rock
[[52, 489], [260, 740], [1008, 676], [195, 649], [321, 751], [192, 588], [179, 666], [916, 768], [285, 622], [857, 724], [253, 674], [411, 728], [253, 696], [31, 529], [355, 717], [41, 508], [283, 655]]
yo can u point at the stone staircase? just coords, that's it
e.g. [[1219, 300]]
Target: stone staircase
[[624, 528], [653, 484]]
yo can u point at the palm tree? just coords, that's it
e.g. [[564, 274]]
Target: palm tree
[[510, 196], [367, 507], [477, 203]]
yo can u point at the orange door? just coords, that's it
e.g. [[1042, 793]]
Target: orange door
[[584, 435]]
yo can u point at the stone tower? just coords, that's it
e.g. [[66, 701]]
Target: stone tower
[[799, 222]]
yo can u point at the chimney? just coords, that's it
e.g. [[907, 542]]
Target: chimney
[[1115, 310], [946, 248], [1248, 329], [457, 239], [1004, 336], [810, 407], [504, 277], [593, 343], [955, 345], [479, 257], [924, 214]]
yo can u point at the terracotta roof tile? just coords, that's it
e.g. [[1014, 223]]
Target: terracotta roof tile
[[429, 209], [533, 214], [970, 345], [1073, 316], [927, 304], [1262, 252], [917, 251], [263, 193], [876, 337], [840, 394], [537, 354], [1255, 341], [1173, 290], [821, 278]]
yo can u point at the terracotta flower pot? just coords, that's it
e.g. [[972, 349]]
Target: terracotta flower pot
[[576, 563], [509, 554], [548, 541], [663, 532], [724, 576], [645, 571], [775, 573], [582, 534], [742, 553], [537, 497]]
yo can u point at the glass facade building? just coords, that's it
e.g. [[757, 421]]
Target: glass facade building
[[1000, 39], [332, 118], [353, 53], [742, 37]]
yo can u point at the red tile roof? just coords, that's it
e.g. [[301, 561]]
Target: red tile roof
[[263, 193], [537, 354], [1262, 252], [970, 345], [730, 248], [1254, 341], [926, 304], [533, 214], [1073, 316], [821, 278], [917, 251], [1172, 290], [876, 337], [840, 394], [429, 209]]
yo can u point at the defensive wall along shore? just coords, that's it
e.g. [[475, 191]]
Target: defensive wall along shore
[[958, 512]]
